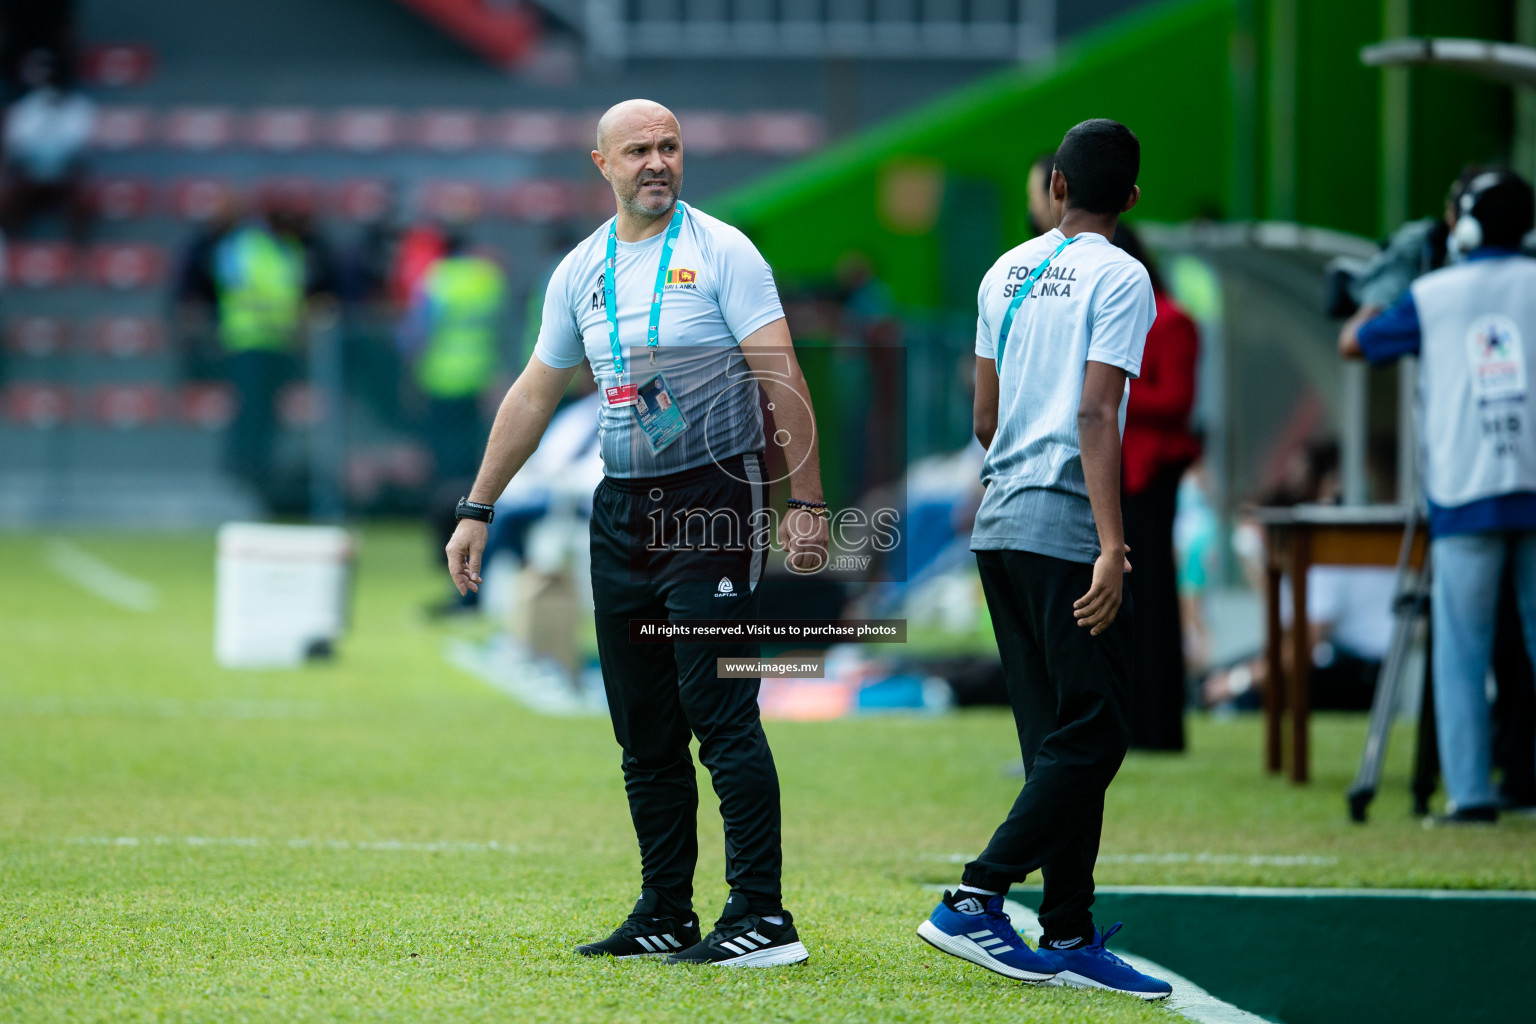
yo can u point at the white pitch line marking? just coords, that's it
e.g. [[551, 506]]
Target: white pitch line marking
[[384, 845], [1188, 999], [162, 707], [1256, 860], [1314, 892], [90, 573]]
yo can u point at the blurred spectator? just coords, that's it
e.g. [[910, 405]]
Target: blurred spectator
[[1473, 325], [4, 267], [370, 259], [1196, 534], [450, 333], [566, 467], [419, 247], [450, 336], [1158, 447], [1349, 608], [1349, 622], [291, 213], [869, 307], [33, 26], [259, 283], [871, 335], [1041, 219], [195, 293], [373, 366], [46, 134], [1349, 615]]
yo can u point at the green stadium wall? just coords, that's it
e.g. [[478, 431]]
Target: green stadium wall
[[1247, 109]]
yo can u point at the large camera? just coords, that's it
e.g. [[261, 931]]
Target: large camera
[[1414, 249], [1341, 283]]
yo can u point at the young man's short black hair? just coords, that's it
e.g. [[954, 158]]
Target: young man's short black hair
[[1100, 159], [1504, 206]]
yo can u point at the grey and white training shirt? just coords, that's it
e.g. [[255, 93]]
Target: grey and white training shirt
[[719, 291], [1095, 303]]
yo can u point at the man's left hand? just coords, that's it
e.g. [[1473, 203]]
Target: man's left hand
[[804, 537]]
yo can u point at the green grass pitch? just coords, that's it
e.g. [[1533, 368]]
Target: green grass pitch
[[386, 838]]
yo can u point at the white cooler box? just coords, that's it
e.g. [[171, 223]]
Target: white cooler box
[[282, 593]]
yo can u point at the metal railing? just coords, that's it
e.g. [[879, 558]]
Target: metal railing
[[854, 29]]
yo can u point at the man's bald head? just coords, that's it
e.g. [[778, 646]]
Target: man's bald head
[[633, 116], [640, 152]]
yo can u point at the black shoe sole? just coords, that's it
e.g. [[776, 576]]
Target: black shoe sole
[[769, 956]]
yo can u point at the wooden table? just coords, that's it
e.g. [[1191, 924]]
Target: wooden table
[[1297, 538]]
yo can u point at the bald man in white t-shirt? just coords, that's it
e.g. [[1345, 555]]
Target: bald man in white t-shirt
[[677, 315]]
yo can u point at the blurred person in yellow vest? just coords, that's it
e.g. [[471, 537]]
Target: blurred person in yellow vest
[[452, 335], [258, 278]]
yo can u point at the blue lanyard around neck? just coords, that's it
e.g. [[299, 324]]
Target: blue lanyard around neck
[[611, 302], [1019, 297]]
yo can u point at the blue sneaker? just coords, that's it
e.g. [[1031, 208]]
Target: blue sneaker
[[1090, 965], [973, 927]]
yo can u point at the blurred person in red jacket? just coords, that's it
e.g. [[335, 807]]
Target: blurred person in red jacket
[[1157, 449], [419, 248]]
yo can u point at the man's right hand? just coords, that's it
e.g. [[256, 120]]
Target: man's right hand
[[1097, 608], [464, 550]]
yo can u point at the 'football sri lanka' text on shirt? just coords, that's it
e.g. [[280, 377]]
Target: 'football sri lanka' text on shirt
[[1094, 302], [719, 290]]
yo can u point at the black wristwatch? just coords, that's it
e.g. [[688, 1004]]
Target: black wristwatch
[[467, 509]]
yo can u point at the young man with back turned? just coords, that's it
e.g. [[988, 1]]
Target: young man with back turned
[[1061, 326]]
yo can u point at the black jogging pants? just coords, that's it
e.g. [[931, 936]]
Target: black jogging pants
[[687, 546], [1070, 693]]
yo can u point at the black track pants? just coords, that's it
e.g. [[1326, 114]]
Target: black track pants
[[1070, 693], [679, 547], [1157, 632]]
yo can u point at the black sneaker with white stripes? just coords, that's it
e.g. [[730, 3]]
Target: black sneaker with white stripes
[[645, 933], [747, 940]]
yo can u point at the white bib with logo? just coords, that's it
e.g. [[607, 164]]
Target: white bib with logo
[[1478, 326]]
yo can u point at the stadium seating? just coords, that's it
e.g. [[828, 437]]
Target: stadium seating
[[92, 371], [439, 129]]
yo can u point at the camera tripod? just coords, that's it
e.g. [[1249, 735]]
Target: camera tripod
[[1410, 613]]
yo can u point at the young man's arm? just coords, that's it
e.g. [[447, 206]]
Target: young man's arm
[[984, 403], [1098, 436], [984, 409], [524, 414]]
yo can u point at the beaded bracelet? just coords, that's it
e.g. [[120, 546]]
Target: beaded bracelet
[[814, 507]]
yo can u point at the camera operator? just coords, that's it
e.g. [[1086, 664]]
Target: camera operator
[[1363, 288], [1473, 325]]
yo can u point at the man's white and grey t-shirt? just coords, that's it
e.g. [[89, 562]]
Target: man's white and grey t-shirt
[[1095, 303], [719, 290]]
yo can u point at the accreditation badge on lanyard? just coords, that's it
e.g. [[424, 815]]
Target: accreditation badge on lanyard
[[1019, 297], [656, 410]]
